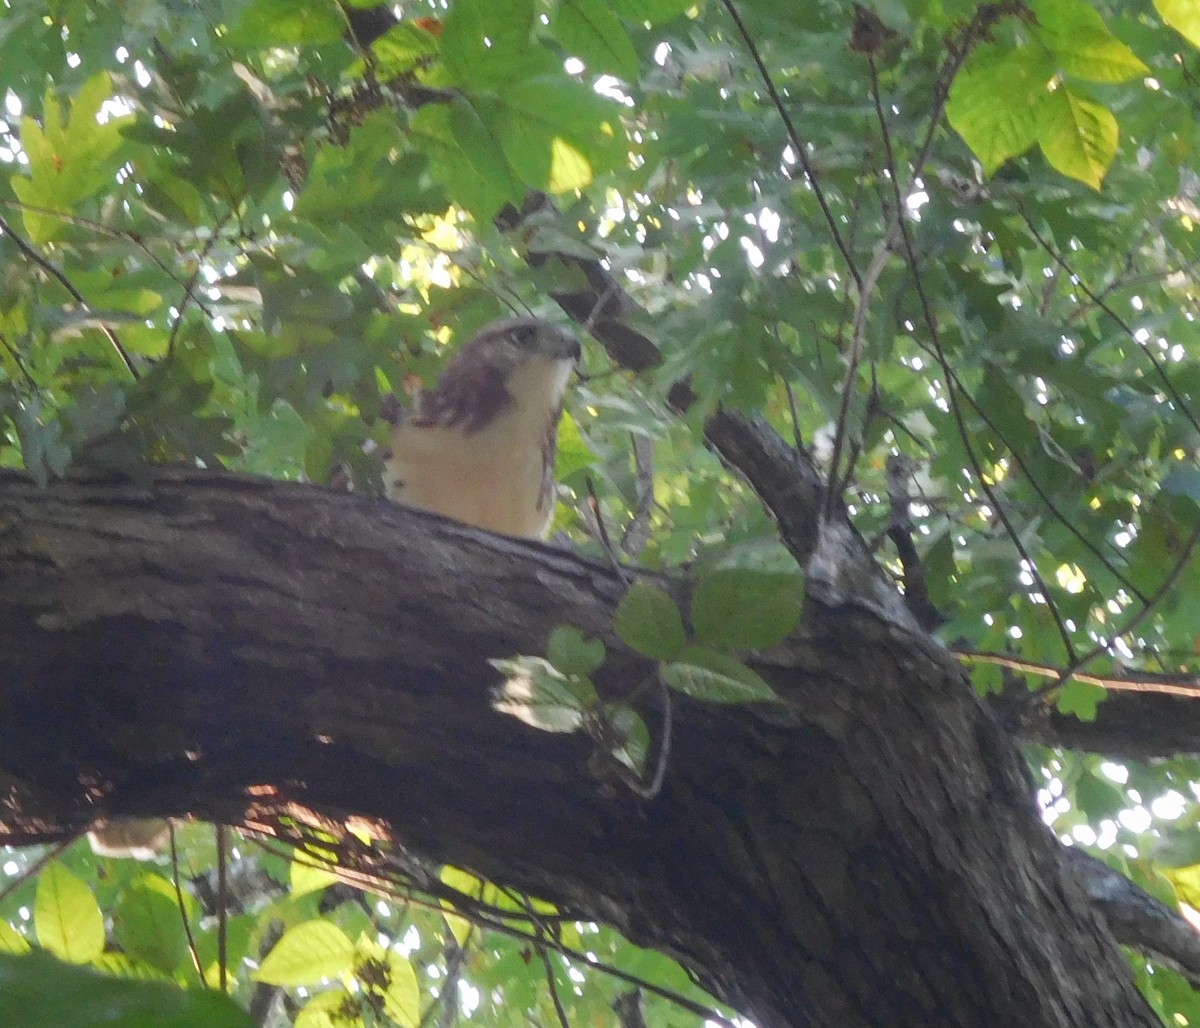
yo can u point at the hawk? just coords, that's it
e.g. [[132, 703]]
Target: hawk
[[480, 446]]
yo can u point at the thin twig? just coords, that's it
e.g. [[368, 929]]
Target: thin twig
[[32, 255], [637, 532], [183, 913], [951, 391], [222, 908], [648, 792], [36, 867], [797, 143], [1115, 683], [866, 286], [496, 923], [1172, 392], [1105, 646]]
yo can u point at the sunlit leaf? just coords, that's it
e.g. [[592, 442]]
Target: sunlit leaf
[[1077, 135], [66, 916], [307, 954]]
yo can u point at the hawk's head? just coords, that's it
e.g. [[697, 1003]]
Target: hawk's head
[[517, 360], [480, 447]]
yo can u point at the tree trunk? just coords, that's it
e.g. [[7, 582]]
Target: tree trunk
[[867, 853]]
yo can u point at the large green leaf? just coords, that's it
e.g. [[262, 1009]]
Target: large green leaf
[[1077, 135], [590, 30], [1082, 44], [306, 954], [66, 916], [996, 131], [715, 677], [147, 924], [1183, 16], [649, 621], [71, 157], [40, 992], [486, 42], [738, 609]]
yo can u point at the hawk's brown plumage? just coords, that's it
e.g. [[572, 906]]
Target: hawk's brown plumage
[[480, 447]]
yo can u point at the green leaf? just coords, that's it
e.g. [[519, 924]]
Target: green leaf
[[330, 1009], [278, 23], [632, 737], [306, 954], [653, 12], [40, 992], [574, 454], [1187, 883], [715, 677], [306, 876], [1074, 31], [468, 157], [389, 977], [648, 621], [573, 653], [739, 609], [485, 42], [70, 158], [402, 48], [558, 147], [1176, 848], [1081, 699], [995, 131], [1077, 135], [536, 692], [1182, 480], [66, 916], [1183, 16], [591, 31], [146, 923], [12, 942]]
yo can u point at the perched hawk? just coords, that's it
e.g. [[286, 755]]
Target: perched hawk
[[480, 446]]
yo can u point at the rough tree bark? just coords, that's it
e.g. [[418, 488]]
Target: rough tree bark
[[867, 853]]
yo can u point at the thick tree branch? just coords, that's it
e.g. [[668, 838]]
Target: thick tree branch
[[1136, 918], [866, 852], [1133, 726]]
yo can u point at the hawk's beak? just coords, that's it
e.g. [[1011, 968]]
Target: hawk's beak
[[569, 347]]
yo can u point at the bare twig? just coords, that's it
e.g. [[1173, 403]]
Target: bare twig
[[1105, 645], [1159, 370], [951, 391], [797, 143], [36, 258], [637, 532], [183, 912], [222, 908], [1168, 685]]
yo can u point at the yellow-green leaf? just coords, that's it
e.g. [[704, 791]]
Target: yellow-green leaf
[[388, 976], [12, 941], [1078, 136], [66, 916], [995, 131], [309, 877], [1183, 16], [1082, 43], [332, 1009], [306, 954]]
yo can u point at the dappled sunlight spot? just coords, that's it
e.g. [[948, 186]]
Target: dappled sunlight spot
[[1071, 578], [569, 169]]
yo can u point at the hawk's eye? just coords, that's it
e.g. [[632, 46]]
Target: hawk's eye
[[525, 335]]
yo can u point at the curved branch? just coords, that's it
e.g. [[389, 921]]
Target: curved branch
[[232, 648]]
